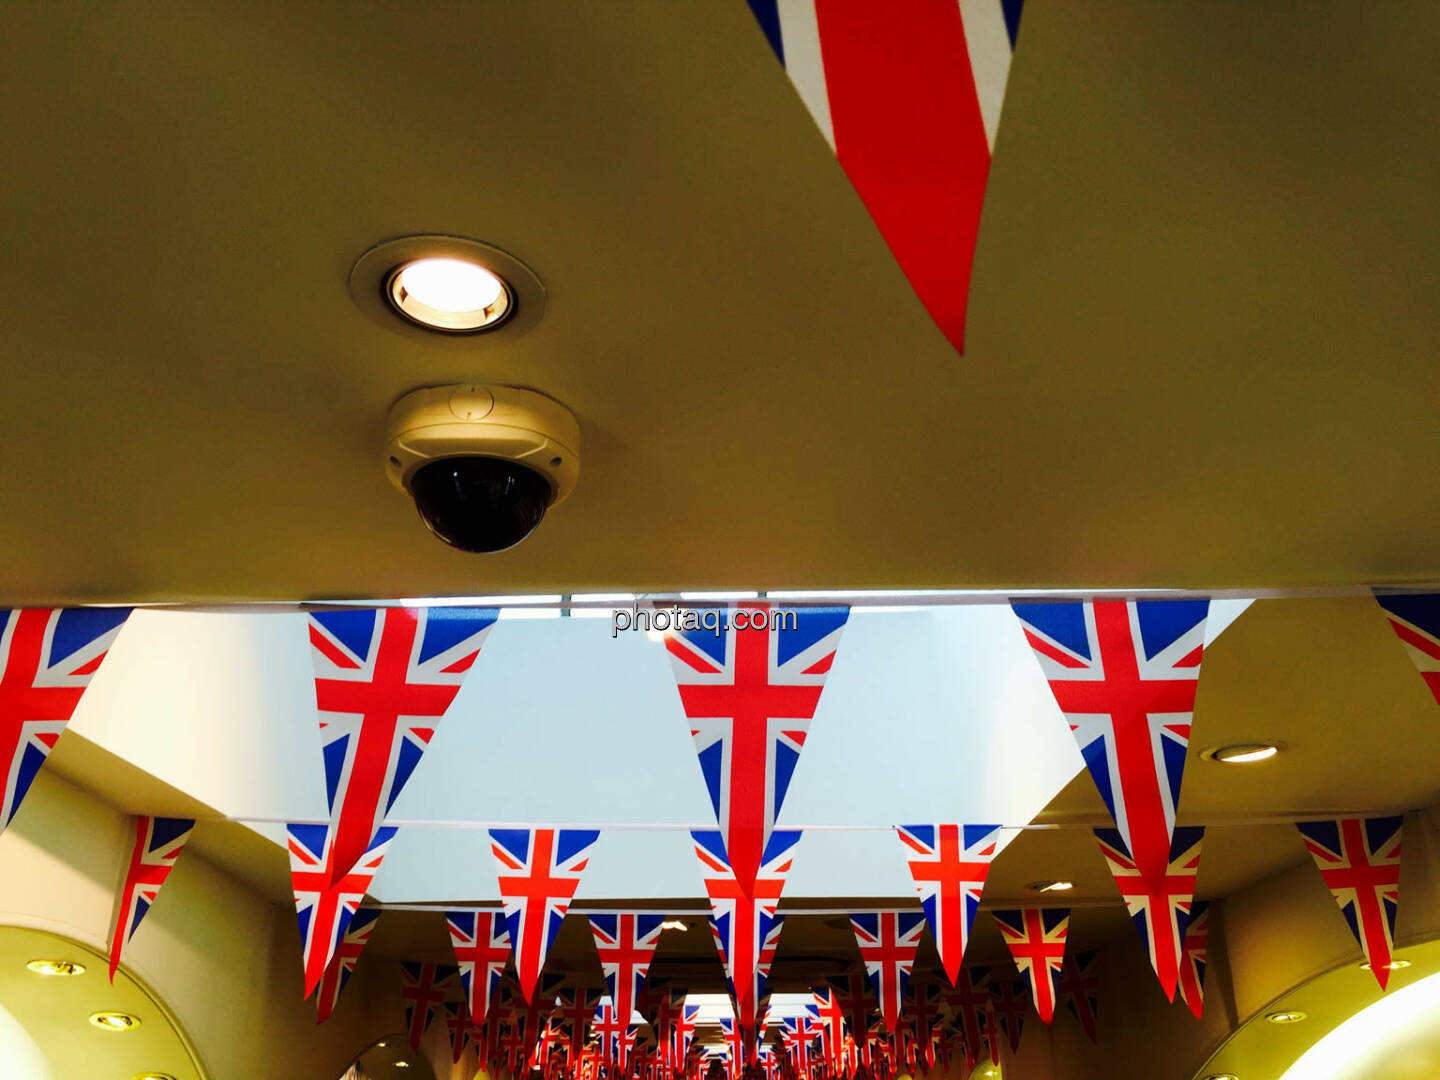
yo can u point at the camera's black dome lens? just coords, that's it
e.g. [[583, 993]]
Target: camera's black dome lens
[[478, 503]]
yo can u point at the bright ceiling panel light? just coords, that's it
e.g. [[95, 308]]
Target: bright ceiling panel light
[[1398, 1025], [451, 295], [1288, 1016]]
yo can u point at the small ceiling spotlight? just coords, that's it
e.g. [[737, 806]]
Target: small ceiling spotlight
[[453, 295], [1051, 886], [447, 289], [1246, 753], [1393, 965], [1288, 1016], [55, 967], [1222, 1076], [152, 1076], [674, 924], [114, 1021]]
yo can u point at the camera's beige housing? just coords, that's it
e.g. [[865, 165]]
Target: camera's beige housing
[[483, 421]]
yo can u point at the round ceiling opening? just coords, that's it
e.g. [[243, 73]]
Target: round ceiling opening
[[452, 295]]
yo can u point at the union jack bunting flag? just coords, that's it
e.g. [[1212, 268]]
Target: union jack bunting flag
[[749, 692], [831, 1017], [47, 658], [1193, 960], [383, 680], [1008, 1001], [888, 941], [1415, 618], [682, 1032], [851, 993], [457, 1026], [1360, 861], [616, 1034], [909, 99], [1124, 673], [422, 986], [739, 1049], [1079, 989], [949, 864], [625, 942], [1159, 907], [481, 942], [925, 998], [538, 872], [575, 1009], [744, 922], [968, 1002], [342, 964], [324, 902], [158, 841], [1036, 938]]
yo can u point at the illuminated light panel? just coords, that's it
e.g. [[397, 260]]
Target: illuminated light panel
[[1400, 1022], [1289, 1016], [1051, 886]]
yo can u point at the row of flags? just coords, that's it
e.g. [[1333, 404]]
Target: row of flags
[[1124, 674]]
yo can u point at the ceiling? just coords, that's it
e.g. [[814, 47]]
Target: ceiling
[[1201, 346]]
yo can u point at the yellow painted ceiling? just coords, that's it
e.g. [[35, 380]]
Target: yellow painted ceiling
[[1201, 348]]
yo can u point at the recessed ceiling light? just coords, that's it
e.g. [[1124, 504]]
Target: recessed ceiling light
[[402, 1064], [1393, 965], [1242, 753], [55, 967], [453, 295], [114, 1021], [674, 924], [152, 1076], [1289, 1016], [1051, 886], [1222, 1076]]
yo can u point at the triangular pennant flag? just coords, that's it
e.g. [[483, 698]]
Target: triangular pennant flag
[[532, 1021], [457, 1025], [616, 1034], [949, 864], [1009, 1001], [576, 1008], [968, 1002], [1124, 673], [832, 1024], [990, 1033], [851, 992], [626, 942], [925, 1012], [342, 964], [47, 659], [158, 842], [888, 941], [538, 872], [384, 678], [1415, 618], [1194, 957], [422, 986], [682, 1032], [1159, 907], [1079, 989], [481, 941], [1036, 937], [324, 904], [744, 921], [1360, 861], [749, 691], [909, 98]]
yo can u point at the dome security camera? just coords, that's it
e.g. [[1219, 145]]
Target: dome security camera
[[483, 463]]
